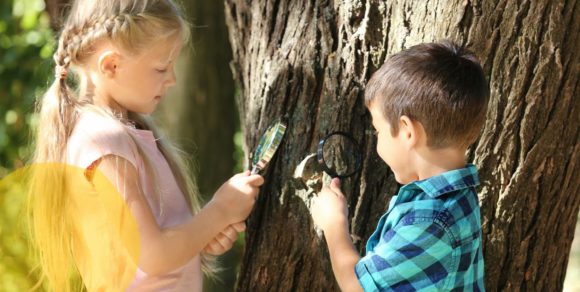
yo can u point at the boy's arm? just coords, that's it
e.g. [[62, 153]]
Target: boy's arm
[[343, 257], [330, 213]]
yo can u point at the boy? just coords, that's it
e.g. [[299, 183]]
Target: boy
[[428, 104]]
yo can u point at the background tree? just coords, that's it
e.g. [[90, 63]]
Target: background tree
[[309, 61], [57, 10], [200, 113]]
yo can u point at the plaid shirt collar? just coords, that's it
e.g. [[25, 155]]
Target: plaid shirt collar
[[446, 182]]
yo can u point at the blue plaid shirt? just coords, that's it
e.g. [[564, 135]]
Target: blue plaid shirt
[[429, 239]]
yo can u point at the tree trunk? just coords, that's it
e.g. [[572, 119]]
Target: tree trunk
[[309, 61], [56, 9]]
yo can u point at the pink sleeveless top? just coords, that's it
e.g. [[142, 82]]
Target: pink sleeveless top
[[96, 136]]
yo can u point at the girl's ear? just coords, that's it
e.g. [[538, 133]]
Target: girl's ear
[[108, 63], [411, 132]]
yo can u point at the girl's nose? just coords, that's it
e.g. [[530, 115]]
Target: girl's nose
[[172, 78]]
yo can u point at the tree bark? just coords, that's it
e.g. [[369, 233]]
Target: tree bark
[[309, 61]]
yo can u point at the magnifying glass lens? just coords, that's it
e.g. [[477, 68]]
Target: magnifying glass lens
[[267, 146], [259, 152], [340, 155]]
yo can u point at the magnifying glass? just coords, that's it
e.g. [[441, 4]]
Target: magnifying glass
[[339, 155], [268, 145]]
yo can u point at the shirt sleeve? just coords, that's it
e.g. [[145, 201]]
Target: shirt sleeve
[[408, 257], [95, 137]]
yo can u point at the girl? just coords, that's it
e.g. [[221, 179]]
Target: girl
[[123, 53]]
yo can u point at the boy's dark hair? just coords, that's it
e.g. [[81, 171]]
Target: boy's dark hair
[[441, 85]]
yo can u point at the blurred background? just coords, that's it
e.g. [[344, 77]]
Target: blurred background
[[199, 114]]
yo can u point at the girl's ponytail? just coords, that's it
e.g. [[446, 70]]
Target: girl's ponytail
[[56, 111], [48, 202]]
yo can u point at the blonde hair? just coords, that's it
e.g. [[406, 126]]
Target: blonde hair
[[132, 25]]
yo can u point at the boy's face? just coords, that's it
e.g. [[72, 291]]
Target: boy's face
[[392, 149]]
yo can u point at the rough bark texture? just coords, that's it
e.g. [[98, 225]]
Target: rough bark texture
[[309, 61]]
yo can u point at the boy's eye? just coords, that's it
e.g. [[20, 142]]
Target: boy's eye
[[161, 70]]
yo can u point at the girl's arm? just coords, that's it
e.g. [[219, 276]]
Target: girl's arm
[[225, 240], [164, 250]]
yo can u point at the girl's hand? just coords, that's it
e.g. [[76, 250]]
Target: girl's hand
[[236, 197], [329, 208], [225, 240]]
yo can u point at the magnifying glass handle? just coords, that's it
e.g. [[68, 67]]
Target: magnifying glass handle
[[255, 170]]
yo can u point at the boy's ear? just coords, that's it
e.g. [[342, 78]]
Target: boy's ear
[[108, 63], [410, 131]]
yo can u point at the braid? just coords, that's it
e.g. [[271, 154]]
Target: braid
[[76, 39], [118, 23], [72, 43]]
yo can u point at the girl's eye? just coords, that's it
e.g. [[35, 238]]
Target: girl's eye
[[161, 70]]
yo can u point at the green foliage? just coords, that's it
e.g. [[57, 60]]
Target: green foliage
[[26, 46], [16, 261]]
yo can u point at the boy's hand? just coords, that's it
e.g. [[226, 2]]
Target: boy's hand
[[329, 208], [225, 240]]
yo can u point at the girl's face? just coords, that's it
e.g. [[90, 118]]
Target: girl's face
[[140, 82]]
